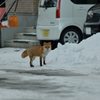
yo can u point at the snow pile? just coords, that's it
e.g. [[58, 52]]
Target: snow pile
[[82, 56]]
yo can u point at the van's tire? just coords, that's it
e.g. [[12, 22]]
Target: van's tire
[[71, 35], [54, 43]]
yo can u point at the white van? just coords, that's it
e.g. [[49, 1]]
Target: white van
[[62, 20]]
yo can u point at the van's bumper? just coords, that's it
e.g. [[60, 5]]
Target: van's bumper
[[90, 29], [48, 33]]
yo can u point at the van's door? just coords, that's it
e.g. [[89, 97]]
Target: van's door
[[47, 12], [80, 12]]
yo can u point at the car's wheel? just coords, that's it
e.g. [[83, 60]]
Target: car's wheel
[[71, 35]]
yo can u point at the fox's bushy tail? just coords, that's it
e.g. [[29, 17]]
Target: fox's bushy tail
[[24, 54]]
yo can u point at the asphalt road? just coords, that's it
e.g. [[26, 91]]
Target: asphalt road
[[13, 79]]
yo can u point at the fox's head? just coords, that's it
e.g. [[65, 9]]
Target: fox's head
[[47, 46]]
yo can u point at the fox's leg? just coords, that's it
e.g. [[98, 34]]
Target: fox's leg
[[31, 59], [31, 63], [40, 60], [44, 60]]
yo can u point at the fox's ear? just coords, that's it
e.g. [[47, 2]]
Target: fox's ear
[[44, 43], [49, 43]]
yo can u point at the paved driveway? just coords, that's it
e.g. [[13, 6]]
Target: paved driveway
[[43, 84]]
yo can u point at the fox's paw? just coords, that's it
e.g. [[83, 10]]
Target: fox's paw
[[31, 65], [41, 65], [44, 63]]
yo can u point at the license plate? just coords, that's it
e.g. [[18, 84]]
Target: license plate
[[45, 33], [88, 30]]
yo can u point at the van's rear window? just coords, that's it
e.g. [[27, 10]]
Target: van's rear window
[[48, 3]]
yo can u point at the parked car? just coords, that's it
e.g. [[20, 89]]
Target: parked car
[[62, 20], [92, 23]]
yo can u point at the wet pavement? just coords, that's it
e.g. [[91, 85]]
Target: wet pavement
[[13, 79]]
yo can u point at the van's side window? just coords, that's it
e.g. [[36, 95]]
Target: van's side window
[[86, 1], [48, 3]]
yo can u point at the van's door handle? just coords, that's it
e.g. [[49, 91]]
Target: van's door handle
[[81, 8]]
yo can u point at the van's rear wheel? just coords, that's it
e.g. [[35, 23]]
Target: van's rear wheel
[[71, 35]]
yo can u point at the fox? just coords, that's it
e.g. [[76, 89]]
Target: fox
[[37, 51]]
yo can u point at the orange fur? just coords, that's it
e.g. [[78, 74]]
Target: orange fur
[[40, 51]]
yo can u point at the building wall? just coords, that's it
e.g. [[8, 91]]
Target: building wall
[[27, 12], [25, 6]]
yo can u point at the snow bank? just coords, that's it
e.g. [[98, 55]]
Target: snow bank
[[82, 56]]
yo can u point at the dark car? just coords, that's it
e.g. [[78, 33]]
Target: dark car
[[92, 23]]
